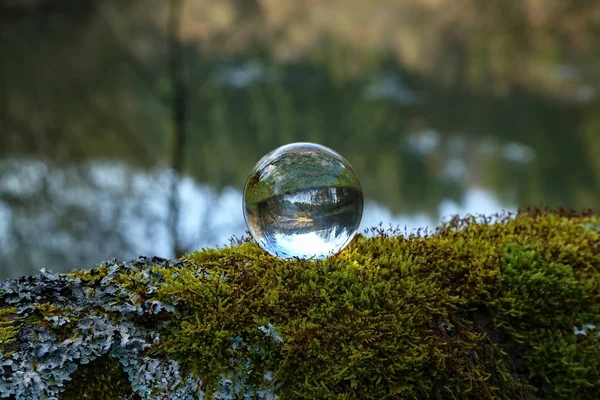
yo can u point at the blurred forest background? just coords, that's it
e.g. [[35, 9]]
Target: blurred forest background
[[130, 127]]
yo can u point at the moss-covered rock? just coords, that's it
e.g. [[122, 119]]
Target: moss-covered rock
[[505, 307]]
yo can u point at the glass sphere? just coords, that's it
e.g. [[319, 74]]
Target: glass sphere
[[303, 200]]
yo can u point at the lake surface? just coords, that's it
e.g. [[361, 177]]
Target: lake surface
[[130, 130]]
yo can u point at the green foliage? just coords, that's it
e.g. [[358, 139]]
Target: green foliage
[[504, 307]]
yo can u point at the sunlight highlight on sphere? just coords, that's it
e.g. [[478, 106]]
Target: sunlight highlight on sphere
[[303, 200]]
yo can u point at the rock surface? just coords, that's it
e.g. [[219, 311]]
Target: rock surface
[[481, 308]]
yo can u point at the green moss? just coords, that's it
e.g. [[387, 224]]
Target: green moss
[[104, 379], [9, 328], [481, 308], [370, 321], [90, 275]]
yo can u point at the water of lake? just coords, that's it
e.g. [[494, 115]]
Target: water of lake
[[119, 138]]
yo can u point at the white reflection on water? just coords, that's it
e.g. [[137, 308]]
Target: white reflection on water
[[476, 201], [99, 210], [5, 217], [209, 218]]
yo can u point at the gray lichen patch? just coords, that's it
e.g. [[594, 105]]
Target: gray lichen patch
[[97, 317]]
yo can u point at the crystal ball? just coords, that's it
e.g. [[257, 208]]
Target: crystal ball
[[303, 200]]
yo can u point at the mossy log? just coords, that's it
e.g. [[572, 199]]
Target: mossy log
[[505, 307]]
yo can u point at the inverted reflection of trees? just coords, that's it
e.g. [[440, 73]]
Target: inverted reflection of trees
[[311, 210]]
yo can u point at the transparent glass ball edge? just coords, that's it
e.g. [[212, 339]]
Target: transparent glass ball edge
[[303, 200]]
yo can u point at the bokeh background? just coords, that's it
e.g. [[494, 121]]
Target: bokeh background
[[129, 127]]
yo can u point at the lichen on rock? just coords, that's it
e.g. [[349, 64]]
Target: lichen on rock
[[481, 308], [100, 316]]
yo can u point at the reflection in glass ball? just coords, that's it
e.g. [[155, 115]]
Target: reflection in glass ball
[[303, 200]]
